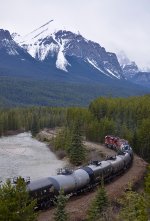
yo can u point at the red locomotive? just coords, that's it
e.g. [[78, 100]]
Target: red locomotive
[[116, 143]]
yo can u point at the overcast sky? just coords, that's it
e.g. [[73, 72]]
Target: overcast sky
[[115, 24]]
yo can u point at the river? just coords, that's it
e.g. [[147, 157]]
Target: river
[[21, 155]]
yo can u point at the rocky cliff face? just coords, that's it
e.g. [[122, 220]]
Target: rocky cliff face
[[4, 34], [9, 48], [131, 71], [7, 44]]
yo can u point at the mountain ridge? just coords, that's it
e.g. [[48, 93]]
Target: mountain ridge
[[72, 71], [47, 41], [132, 72]]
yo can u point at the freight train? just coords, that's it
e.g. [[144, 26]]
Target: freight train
[[83, 179]]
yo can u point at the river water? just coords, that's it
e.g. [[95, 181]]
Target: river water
[[21, 155]]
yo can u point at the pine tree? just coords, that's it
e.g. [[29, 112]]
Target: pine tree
[[76, 150], [98, 205], [60, 213], [15, 204], [35, 126], [133, 207]]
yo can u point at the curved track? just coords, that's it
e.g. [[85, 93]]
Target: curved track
[[114, 189]]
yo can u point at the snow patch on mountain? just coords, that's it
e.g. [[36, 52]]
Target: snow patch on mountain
[[45, 50], [94, 63], [12, 51], [40, 50], [10, 46], [112, 73], [15, 36], [61, 62]]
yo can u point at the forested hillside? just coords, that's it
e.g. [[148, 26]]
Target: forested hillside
[[60, 90], [127, 118]]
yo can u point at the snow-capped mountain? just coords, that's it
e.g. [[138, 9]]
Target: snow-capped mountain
[[10, 51], [129, 67], [131, 71], [9, 46], [49, 43], [54, 67], [14, 59]]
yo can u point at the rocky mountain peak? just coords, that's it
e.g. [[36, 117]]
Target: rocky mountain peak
[[50, 42], [131, 71], [5, 34], [131, 67], [9, 47]]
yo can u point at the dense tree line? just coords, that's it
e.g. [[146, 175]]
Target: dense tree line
[[127, 118], [34, 118], [19, 88]]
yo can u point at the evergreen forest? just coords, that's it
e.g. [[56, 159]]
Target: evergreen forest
[[128, 118]]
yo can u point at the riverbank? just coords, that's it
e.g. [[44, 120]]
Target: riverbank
[[13, 132], [92, 149]]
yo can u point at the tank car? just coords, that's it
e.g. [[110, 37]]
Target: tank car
[[127, 160], [46, 189], [71, 183], [117, 164], [43, 191], [98, 170]]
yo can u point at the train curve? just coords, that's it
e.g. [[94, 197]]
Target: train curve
[[80, 180]]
